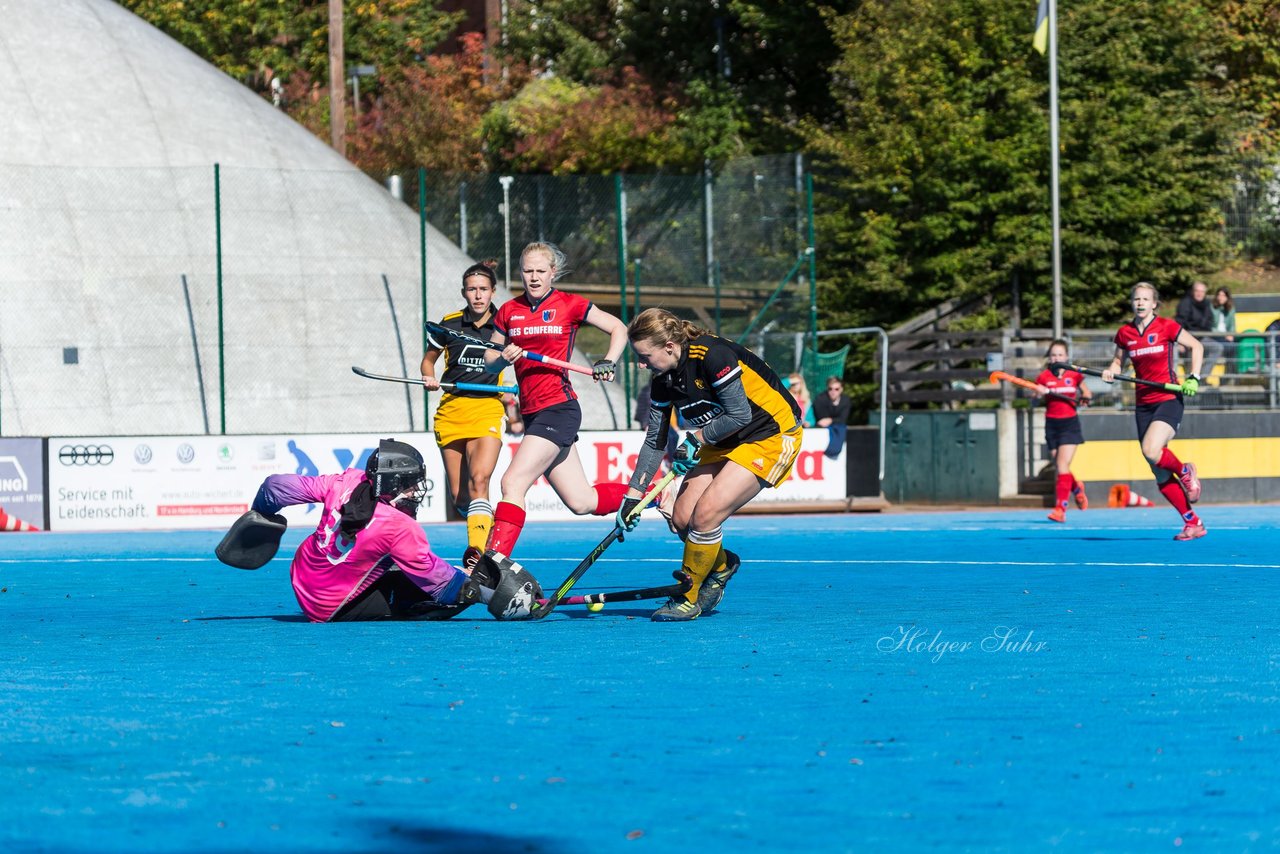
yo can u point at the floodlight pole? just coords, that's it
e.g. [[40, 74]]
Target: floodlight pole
[[505, 181]]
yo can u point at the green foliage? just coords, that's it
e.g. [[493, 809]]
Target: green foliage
[[938, 183], [257, 40]]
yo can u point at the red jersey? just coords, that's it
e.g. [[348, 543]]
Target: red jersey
[[1066, 395], [1153, 352], [547, 328]]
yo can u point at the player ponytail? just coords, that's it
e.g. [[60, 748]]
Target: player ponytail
[[657, 325]]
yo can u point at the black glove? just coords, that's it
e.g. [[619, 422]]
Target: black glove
[[602, 371], [686, 455]]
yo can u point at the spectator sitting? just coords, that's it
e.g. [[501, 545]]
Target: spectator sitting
[[1224, 320], [832, 411], [795, 384], [1195, 314]]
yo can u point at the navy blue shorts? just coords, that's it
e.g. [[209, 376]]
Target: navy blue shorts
[[1063, 431], [1169, 411], [557, 424]]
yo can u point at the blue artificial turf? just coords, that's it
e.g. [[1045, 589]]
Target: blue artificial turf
[[153, 699]]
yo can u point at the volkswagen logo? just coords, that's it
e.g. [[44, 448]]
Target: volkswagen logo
[[86, 455], [142, 454], [186, 453]]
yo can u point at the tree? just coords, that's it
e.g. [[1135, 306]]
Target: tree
[[937, 185]]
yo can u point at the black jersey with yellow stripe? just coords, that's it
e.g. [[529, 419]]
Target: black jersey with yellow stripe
[[709, 363], [463, 362]]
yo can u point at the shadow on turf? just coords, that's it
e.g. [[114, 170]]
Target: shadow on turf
[[459, 841]]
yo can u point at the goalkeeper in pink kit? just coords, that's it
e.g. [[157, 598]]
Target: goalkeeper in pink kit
[[368, 558]]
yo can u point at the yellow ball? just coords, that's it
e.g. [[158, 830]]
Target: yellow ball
[[595, 607]]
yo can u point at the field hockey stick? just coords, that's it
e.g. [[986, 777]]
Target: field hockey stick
[[1000, 376], [437, 330], [1174, 387], [543, 608], [496, 389], [683, 585]]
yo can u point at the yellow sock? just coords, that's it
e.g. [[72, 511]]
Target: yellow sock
[[478, 525], [699, 560]]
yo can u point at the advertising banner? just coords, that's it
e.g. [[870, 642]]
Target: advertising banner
[[166, 482], [610, 456], [109, 483], [22, 480]]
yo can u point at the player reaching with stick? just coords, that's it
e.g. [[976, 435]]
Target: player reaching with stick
[[468, 424], [746, 436], [545, 320], [1151, 344], [1064, 392]]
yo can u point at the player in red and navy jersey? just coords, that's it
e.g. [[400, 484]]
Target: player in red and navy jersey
[[545, 320], [1064, 392], [1150, 343], [744, 435]]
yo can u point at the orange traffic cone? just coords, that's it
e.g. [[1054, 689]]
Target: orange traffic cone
[[1122, 496], [13, 523]]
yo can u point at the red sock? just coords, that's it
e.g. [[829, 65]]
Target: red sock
[[508, 521], [1169, 462], [609, 497], [1076, 485], [1171, 489], [1062, 490]]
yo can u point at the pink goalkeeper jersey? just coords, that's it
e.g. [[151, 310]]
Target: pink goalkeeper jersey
[[328, 570]]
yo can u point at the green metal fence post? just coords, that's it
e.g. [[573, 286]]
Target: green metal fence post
[[222, 361], [620, 198], [422, 248], [813, 265]]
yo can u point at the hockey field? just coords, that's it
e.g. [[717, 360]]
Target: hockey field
[[961, 681]]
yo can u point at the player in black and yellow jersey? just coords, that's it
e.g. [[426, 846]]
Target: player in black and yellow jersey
[[468, 424], [745, 436]]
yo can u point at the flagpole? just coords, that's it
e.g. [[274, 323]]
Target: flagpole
[[1053, 168]]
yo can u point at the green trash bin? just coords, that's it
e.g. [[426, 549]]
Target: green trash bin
[[1249, 351]]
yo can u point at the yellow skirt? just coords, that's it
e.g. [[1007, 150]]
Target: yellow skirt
[[770, 459], [468, 418]]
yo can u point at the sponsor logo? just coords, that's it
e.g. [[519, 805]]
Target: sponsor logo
[[539, 330], [723, 373], [1142, 351], [758, 464], [142, 454], [186, 453], [13, 484], [267, 451], [226, 453], [86, 455]]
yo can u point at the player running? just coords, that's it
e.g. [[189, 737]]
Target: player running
[[1151, 344], [468, 424], [368, 559], [746, 436], [1064, 393], [545, 320]]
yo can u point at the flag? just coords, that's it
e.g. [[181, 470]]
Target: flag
[[1040, 41]]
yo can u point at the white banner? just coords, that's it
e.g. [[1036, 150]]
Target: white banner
[[110, 483], [105, 483]]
